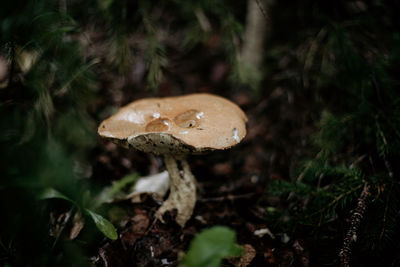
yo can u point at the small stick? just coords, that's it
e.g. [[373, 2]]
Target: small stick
[[68, 216], [260, 6], [355, 221], [228, 197]]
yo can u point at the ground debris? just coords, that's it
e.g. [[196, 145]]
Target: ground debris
[[264, 231], [247, 256], [78, 222], [302, 254]]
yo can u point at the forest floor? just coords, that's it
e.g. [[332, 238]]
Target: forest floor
[[232, 185], [322, 124]]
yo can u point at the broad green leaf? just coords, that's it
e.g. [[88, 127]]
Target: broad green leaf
[[87, 199], [124, 181], [52, 193], [109, 193], [209, 247], [103, 225]]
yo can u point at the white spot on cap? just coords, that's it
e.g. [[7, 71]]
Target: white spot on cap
[[165, 122], [156, 115], [184, 132], [132, 117], [235, 135], [199, 115], [107, 134]]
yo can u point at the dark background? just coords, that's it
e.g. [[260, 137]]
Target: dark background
[[324, 120]]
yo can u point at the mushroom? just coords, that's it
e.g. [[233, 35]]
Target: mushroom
[[175, 127]]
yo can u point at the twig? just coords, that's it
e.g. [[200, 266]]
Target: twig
[[262, 10], [308, 166], [384, 140], [257, 27], [355, 221], [385, 213], [228, 197], [63, 225], [335, 200], [151, 226]]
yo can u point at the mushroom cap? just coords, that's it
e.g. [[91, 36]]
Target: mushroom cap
[[183, 124]]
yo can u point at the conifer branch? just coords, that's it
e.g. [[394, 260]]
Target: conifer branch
[[355, 221], [385, 142], [336, 200]]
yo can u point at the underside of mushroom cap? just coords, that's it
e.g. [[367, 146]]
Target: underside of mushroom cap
[[188, 124]]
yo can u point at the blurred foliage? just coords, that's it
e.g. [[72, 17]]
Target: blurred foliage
[[210, 246], [46, 131], [348, 66], [101, 223], [48, 86], [341, 56]]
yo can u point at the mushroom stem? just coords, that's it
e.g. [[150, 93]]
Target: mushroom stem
[[182, 195]]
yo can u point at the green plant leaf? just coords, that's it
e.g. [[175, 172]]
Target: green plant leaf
[[110, 192], [103, 225], [48, 193], [210, 246]]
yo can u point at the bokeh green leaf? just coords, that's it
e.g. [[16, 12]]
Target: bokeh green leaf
[[103, 225], [48, 193], [209, 247]]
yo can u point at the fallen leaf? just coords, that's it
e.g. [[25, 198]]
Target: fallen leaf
[[26, 59], [285, 238], [78, 223], [157, 185], [301, 252], [140, 223], [262, 232], [269, 256], [4, 68], [248, 255]]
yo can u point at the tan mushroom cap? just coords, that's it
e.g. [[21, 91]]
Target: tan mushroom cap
[[182, 124]]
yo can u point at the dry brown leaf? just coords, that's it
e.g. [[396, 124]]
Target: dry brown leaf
[[78, 224], [248, 255]]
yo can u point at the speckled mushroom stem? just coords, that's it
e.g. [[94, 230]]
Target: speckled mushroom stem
[[182, 196]]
